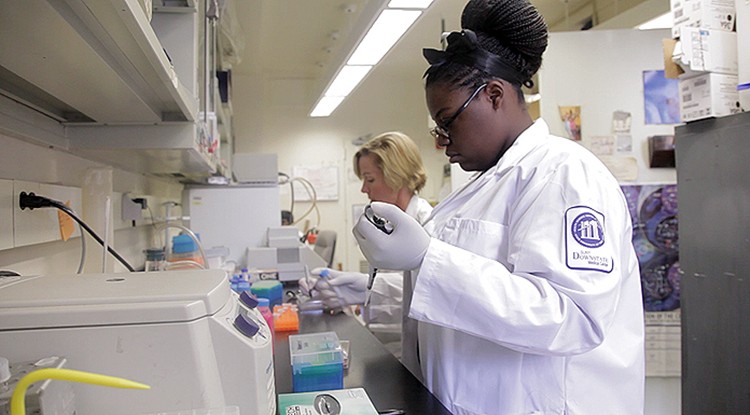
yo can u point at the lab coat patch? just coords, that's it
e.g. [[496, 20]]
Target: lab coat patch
[[586, 246]]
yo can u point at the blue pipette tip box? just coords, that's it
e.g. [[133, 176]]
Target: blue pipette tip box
[[317, 362]]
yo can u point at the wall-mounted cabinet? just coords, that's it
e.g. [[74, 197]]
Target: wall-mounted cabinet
[[119, 86], [84, 61]]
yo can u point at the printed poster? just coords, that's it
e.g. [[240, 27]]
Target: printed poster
[[571, 119], [653, 210], [661, 98]]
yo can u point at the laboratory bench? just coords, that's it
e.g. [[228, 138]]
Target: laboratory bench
[[388, 383]]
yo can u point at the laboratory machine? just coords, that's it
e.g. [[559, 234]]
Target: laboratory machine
[[185, 333]]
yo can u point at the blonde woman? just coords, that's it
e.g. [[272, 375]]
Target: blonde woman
[[392, 172]]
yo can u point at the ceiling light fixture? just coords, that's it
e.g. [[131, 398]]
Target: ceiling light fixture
[[665, 21], [392, 22]]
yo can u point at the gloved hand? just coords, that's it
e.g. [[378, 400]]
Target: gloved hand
[[307, 285], [403, 249], [335, 288]]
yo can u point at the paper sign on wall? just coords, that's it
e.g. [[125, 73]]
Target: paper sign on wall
[[324, 179]]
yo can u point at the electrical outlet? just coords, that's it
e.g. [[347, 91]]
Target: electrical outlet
[[130, 209]]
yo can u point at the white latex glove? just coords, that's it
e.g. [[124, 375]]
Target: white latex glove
[[335, 288], [307, 285], [403, 249]]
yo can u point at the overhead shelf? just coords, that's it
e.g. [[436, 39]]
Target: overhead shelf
[[175, 150], [90, 61], [96, 78]]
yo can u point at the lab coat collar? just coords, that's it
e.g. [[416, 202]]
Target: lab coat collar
[[413, 207], [530, 138]]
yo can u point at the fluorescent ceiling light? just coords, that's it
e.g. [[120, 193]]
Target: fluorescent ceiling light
[[344, 82], [388, 28], [325, 106], [348, 77], [665, 21], [383, 34], [409, 4]]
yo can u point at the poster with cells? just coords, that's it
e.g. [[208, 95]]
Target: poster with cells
[[653, 209]]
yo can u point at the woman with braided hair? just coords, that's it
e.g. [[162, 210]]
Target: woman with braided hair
[[526, 287]]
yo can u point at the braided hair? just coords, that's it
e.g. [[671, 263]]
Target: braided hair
[[510, 31]]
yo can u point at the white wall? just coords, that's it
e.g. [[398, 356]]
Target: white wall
[[601, 71], [23, 161]]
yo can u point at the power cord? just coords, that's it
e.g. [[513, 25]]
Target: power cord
[[31, 201]]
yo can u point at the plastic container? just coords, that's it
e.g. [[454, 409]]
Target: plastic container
[[184, 248], [238, 284], [285, 317], [317, 362], [155, 259], [270, 289], [265, 311], [216, 257]]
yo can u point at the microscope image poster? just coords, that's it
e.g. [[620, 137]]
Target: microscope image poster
[[653, 210]]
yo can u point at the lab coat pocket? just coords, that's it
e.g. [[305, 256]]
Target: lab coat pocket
[[484, 238]]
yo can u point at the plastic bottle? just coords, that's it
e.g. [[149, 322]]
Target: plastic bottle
[[237, 284], [265, 311], [155, 259], [245, 276]]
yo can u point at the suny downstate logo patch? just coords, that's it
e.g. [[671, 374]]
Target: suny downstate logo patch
[[586, 246], [587, 230]]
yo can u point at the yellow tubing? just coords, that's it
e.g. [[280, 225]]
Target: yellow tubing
[[17, 400]]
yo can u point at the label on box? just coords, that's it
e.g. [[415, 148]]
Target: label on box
[[344, 401], [708, 95], [711, 14]]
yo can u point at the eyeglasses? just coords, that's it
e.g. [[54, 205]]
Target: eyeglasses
[[442, 130]]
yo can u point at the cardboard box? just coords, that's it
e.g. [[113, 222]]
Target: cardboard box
[[711, 14], [680, 15], [708, 95], [352, 401], [706, 50]]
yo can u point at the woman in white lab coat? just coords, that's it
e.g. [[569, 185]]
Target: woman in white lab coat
[[527, 293], [391, 171]]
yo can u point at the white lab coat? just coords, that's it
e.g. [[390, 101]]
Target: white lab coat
[[520, 309], [386, 312]]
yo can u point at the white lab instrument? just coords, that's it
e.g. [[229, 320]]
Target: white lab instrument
[[176, 331], [255, 168], [285, 254], [235, 217]]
